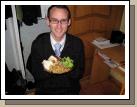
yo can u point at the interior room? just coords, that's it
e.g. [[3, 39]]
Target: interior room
[[104, 72]]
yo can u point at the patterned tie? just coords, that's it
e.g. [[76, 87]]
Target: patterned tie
[[57, 49]]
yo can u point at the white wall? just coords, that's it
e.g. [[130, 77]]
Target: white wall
[[44, 9], [28, 34], [10, 46], [13, 55]]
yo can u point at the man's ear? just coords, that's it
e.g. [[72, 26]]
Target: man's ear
[[47, 20], [69, 22]]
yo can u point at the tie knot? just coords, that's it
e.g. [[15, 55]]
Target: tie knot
[[57, 46]]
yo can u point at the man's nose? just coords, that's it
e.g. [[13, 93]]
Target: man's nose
[[59, 25]]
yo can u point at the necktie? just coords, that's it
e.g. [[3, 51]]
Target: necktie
[[57, 49]]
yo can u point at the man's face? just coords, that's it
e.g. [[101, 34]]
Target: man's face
[[58, 22]]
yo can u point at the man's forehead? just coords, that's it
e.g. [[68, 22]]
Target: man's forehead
[[55, 9], [59, 12]]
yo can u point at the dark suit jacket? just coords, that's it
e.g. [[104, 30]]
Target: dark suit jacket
[[67, 83]]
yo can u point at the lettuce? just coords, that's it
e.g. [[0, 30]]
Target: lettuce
[[67, 62]]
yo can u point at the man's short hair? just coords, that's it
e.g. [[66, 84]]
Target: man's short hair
[[60, 7]]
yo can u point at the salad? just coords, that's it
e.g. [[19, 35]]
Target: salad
[[58, 65]]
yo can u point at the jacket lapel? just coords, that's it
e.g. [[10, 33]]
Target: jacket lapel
[[48, 50], [66, 46]]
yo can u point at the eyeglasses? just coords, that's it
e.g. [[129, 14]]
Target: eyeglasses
[[55, 21]]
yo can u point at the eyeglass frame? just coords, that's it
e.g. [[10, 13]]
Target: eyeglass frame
[[58, 21]]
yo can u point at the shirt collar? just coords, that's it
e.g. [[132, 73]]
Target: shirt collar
[[62, 42]]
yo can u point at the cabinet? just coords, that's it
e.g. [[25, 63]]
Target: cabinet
[[102, 71], [92, 21]]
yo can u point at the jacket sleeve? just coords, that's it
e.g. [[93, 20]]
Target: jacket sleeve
[[36, 62], [78, 71]]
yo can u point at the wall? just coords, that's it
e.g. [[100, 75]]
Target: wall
[[28, 34], [10, 46], [44, 9]]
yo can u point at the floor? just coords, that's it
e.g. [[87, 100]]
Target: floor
[[107, 87]]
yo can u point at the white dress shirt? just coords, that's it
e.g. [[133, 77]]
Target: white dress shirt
[[62, 42]]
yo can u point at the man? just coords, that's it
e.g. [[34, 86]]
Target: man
[[58, 19]]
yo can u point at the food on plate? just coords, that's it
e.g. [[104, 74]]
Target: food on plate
[[67, 62], [58, 65]]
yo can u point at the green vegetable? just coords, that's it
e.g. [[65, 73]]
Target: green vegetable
[[67, 62]]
